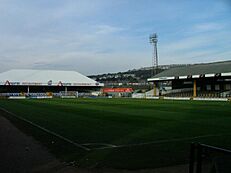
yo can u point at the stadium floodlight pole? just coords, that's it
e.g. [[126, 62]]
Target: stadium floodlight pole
[[153, 40]]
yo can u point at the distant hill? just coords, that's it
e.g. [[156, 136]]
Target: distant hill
[[136, 78]]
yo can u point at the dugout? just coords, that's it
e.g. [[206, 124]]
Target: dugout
[[199, 80]]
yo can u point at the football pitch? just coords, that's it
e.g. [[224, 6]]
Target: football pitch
[[122, 133]]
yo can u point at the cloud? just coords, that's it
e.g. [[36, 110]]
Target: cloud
[[102, 36], [197, 48], [107, 29], [204, 27], [94, 63]]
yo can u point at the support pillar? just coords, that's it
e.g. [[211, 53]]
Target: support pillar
[[28, 89], [194, 88], [65, 90], [154, 88]]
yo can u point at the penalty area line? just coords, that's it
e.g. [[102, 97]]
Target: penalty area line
[[103, 144], [46, 130], [161, 141]]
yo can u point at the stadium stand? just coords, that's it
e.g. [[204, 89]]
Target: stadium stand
[[45, 84], [211, 80]]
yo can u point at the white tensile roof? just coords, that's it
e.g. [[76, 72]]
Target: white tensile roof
[[45, 77]]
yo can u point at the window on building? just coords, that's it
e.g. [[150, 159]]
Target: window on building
[[208, 87], [188, 82], [227, 86], [217, 87]]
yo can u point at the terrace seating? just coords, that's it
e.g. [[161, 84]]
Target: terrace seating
[[204, 94], [185, 92]]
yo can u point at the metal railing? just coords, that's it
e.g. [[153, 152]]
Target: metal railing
[[198, 152]]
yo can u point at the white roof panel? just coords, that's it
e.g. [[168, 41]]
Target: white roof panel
[[43, 77]]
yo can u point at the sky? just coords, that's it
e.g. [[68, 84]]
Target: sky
[[102, 36]]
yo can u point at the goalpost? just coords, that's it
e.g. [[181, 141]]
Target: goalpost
[[69, 94]]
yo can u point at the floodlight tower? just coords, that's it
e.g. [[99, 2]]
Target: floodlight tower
[[153, 40]]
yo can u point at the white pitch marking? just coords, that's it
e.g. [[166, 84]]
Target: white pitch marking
[[161, 141], [46, 130], [107, 145]]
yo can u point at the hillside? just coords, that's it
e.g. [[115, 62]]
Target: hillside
[[135, 77]]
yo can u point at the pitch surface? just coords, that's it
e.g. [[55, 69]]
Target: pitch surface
[[126, 133]]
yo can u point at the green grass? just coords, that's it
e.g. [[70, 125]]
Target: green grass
[[125, 121]]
